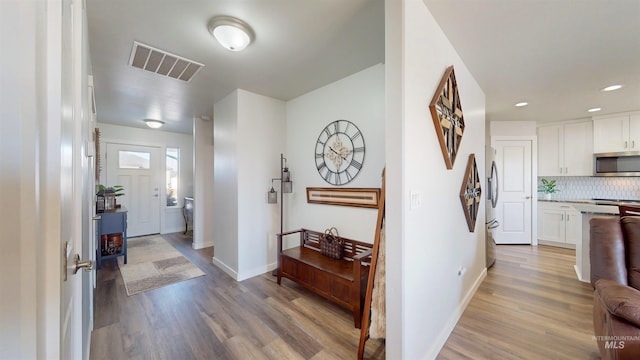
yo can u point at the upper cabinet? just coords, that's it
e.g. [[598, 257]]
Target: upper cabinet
[[616, 134], [565, 149]]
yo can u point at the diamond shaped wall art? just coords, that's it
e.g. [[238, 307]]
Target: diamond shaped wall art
[[446, 112], [470, 193]]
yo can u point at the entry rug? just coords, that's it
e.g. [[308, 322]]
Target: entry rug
[[152, 263]]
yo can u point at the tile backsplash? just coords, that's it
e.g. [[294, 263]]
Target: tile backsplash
[[588, 187]]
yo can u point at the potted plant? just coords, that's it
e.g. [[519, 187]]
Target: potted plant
[[547, 187]]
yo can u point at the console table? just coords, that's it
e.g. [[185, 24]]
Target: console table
[[112, 229]]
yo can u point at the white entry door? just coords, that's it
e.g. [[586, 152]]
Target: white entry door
[[137, 168], [513, 211]]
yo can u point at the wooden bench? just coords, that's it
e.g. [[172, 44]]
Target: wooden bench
[[342, 281]]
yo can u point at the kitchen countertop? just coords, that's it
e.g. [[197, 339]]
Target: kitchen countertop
[[590, 206]]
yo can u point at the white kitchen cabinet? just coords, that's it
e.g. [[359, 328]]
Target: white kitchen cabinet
[[565, 149], [559, 223], [616, 134]]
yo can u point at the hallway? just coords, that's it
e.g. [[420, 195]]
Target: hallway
[[214, 317]]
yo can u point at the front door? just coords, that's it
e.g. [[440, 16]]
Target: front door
[[513, 211], [137, 168]]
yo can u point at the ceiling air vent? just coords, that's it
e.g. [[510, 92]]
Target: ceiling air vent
[[163, 63]]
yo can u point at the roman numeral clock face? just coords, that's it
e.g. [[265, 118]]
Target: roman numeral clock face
[[339, 152]]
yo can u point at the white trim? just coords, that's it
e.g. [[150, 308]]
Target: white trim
[[613, 115], [202, 245], [455, 317], [534, 178], [255, 272], [217, 262]]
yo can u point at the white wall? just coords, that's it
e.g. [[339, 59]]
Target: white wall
[[358, 98], [171, 219], [512, 128], [203, 181], [431, 242], [248, 141], [20, 134], [261, 121], [225, 184]]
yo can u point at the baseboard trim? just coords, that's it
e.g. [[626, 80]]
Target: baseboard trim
[[229, 271], [241, 276], [197, 246], [453, 321], [557, 244]]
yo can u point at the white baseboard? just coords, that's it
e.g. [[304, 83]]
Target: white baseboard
[[197, 246], [225, 268], [575, 267], [245, 274], [453, 321], [255, 272]]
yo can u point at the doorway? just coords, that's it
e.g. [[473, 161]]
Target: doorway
[[515, 203], [137, 168]]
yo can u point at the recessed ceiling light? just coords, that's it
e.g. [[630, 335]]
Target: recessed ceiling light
[[612, 87], [522, 103], [594, 109]]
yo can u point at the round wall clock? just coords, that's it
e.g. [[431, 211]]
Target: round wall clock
[[339, 152]]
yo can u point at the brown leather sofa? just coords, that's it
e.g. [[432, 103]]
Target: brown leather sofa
[[615, 274]]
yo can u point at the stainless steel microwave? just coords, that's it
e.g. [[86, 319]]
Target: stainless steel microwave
[[617, 164]]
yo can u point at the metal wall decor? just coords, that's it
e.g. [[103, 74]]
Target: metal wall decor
[[446, 112], [470, 193], [339, 152]]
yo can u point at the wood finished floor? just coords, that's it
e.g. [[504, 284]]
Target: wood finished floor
[[530, 306], [215, 317]]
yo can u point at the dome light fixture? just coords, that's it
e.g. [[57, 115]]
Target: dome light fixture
[[612, 87], [521, 104], [232, 33], [154, 124], [595, 109]]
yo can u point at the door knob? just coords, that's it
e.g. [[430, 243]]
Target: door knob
[[527, 197], [86, 265]]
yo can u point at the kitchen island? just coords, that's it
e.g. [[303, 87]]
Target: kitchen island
[[588, 210]]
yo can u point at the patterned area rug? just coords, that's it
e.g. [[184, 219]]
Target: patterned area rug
[[152, 263]]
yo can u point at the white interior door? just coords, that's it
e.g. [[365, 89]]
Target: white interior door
[[137, 168], [74, 184], [513, 158]]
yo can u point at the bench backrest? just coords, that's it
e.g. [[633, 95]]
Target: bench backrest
[[311, 239]]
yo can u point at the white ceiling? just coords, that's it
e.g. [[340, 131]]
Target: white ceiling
[[299, 46], [555, 54]]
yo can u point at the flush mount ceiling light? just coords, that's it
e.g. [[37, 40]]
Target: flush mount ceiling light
[[521, 104], [612, 87], [233, 34], [595, 109], [154, 124]]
